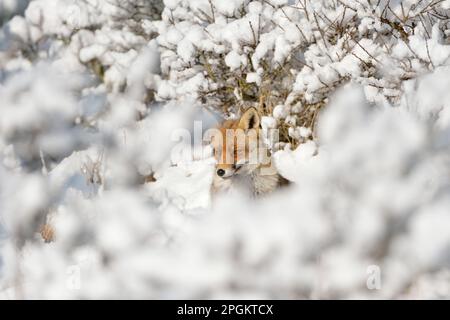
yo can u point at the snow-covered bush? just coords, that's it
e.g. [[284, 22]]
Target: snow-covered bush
[[106, 37], [93, 95], [288, 56]]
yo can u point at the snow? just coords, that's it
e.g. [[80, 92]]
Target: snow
[[186, 185], [280, 112], [227, 8], [103, 107], [253, 77], [290, 163]]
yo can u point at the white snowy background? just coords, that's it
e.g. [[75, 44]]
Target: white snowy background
[[92, 91]]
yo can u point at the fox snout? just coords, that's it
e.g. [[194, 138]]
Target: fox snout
[[225, 171]]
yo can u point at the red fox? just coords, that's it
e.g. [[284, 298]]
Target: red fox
[[242, 156]]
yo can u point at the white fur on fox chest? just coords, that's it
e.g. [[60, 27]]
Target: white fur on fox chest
[[264, 183]]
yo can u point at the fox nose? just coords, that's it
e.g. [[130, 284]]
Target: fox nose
[[220, 172]]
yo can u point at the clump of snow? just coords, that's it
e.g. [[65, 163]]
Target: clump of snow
[[186, 185]]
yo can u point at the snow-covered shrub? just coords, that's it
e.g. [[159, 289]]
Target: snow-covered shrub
[[374, 197], [39, 115], [288, 56], [92, 97]]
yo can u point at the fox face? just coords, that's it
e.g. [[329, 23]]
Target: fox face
[[237, 145]]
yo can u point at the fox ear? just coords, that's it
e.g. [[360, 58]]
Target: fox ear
[[249, 120]]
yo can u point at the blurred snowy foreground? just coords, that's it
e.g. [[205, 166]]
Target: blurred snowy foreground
[[86, 148]]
